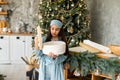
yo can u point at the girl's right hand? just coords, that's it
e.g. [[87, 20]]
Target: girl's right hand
[[52, 55], [36, 39], [36, 43]]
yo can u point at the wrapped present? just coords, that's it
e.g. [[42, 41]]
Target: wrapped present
[[100, 47], [115, 49]]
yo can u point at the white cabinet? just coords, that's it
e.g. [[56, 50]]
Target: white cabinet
[[17, 48], [28, 45], [20, 46], [4, 49], [13, 47]]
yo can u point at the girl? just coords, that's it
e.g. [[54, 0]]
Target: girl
[[51, 65]]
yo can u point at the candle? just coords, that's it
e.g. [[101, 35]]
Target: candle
[[39, 33]]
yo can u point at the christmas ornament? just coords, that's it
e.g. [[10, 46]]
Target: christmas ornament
[[72, 40], [80, 5], [70, 30], [62, 18], [72, 4], [50, 9], [76, 72], [56, 8]]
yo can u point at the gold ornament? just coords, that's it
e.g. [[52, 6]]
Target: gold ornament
[[56, 8], [62, 18], [73, 40], [50, 9], [72, 5], [80, 5], [70, 30], [52, 15]]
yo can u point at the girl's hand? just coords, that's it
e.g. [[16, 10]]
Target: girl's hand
[[52, 55], [36, 39], [36, 43]]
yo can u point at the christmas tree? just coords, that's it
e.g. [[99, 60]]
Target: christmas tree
[[74, 15]]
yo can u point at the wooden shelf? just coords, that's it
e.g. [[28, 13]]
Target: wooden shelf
[[3, 3], [100, 75], [3, 13]]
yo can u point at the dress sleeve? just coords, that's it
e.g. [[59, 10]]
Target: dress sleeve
[[38, 52], [60, 59]]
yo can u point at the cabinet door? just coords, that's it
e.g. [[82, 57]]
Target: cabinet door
[[17, 48], [4, 49], [28, 45]]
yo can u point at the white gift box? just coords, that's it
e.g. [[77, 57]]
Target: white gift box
[[56, 47]]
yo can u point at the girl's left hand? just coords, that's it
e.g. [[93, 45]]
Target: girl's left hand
[[52, 55]]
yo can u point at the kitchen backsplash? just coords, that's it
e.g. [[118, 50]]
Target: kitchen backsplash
[[23, 14]]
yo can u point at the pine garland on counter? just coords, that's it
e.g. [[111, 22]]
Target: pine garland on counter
[[87, 62]]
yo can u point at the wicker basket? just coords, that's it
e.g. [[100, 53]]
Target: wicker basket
[[115, 49]]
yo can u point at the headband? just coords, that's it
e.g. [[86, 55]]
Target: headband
[[56, 22]]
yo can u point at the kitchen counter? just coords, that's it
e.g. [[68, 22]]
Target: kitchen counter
[[17, 34]]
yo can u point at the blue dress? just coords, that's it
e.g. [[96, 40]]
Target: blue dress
[[50, 69]]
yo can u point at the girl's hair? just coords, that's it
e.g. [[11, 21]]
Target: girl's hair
[[60, 35]]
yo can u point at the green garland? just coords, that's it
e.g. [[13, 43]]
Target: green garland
[[88, 62]]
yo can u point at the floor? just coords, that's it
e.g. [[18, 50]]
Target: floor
[[13, 71]]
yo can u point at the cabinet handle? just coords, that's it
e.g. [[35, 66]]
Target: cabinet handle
[[32, 37], [0, 48], [1, 37], [17, 37]]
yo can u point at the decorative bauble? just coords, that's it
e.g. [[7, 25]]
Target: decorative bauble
[[70, 30], [77, 42], [80, 5], [56, 8], [72, 40], [50, 9], [62, 18], [70, 44], [52, 14], [72, 4], [40, 2]]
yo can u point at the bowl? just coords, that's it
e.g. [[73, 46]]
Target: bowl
[[56, 47]]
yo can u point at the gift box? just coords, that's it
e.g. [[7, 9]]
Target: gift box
[[115, 49]]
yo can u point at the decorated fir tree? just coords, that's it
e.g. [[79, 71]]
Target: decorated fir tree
[[74, 15]]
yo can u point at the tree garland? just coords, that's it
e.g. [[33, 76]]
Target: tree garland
[[87, 62]]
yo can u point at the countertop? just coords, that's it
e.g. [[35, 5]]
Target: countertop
[[17, 34]]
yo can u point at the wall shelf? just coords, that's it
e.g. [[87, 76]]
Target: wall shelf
[[3, 13], [3, 3]]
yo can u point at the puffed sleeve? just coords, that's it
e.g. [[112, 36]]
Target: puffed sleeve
[[60, 59], [38, 52]]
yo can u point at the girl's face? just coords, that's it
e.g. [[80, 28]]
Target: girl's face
[[54, 30]]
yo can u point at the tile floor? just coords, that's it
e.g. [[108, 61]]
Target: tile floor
[[13, 71]]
